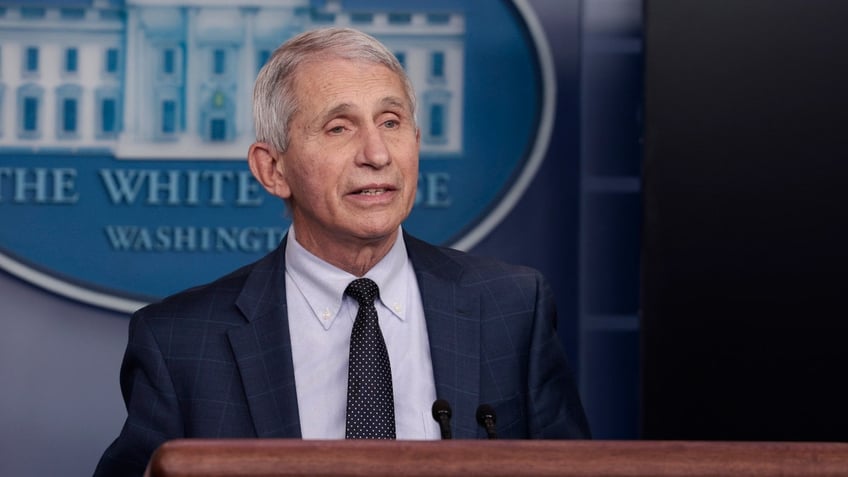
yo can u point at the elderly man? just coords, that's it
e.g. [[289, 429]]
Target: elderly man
[[350, 328]]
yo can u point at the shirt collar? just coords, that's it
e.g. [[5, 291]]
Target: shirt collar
[[323, 284]]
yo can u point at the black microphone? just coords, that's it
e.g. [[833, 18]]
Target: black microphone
[[442, 415], [486, 418]]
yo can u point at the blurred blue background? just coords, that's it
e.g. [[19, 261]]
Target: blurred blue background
[[578, 222]]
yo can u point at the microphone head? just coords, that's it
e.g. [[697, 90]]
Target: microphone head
[[441, 408], [485, 412]]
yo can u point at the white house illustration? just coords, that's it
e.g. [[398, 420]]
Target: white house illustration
[[147, 79]]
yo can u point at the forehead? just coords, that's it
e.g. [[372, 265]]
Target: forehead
[[323, 83]]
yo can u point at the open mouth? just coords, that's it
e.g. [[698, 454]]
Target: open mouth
[[372, 191]]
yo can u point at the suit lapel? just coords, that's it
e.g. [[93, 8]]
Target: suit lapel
[[453, 327], [262, 348]]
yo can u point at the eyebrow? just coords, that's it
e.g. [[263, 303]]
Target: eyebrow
[[395, 101], [342, 108], [336, 110]]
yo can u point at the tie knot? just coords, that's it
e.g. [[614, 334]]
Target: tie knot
[[363, 290]]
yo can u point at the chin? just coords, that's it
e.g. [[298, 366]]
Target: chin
[[377, 232]]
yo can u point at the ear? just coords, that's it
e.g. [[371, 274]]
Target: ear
[[267, 167]]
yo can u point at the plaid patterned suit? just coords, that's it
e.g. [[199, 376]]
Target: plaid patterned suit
[[215, 361]]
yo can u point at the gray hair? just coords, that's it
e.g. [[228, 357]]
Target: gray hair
[[274, 98]]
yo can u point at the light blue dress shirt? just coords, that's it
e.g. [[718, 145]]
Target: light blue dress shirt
[[320, 321]]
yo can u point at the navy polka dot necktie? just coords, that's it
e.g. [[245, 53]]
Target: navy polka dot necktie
[[370, 402]]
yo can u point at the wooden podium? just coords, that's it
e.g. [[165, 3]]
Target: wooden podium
[[495, 458]]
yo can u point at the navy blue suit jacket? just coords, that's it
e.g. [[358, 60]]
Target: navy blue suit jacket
[[215, 361]]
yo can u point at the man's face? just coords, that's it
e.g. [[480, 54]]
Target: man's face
[[351, 168]]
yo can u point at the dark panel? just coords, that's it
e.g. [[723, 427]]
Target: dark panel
[[745, 329], [612, 381], [612, 127], [611, 228]]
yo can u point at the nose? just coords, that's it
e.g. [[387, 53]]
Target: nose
[[374, 151]]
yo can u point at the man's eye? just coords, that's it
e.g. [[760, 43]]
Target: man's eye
[[337, 130], [391, 123]]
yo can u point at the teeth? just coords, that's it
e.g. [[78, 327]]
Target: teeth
[[372, 191]]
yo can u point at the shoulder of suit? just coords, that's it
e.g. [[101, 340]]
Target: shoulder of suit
[[196, 301], [477, 267]]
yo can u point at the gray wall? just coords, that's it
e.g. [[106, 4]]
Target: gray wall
[[60, 404]]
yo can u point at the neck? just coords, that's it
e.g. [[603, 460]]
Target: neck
[[355, 256]]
